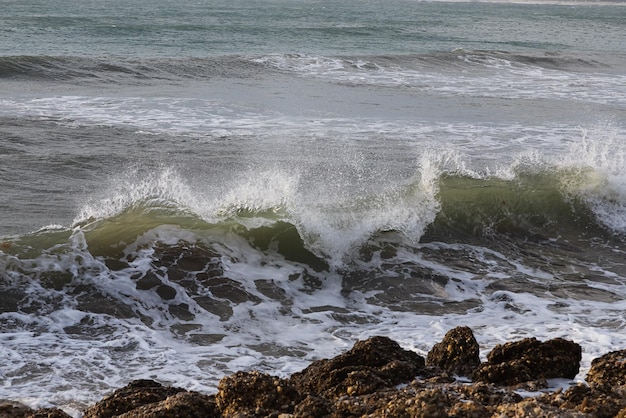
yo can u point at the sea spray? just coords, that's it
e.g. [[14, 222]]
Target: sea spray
[[601, 155]]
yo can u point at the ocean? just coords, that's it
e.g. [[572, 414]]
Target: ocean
[[195, 188]]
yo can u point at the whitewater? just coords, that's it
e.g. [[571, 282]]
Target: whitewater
[[195, 189]]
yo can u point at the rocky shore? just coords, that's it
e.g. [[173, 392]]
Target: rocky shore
[[377, 378]]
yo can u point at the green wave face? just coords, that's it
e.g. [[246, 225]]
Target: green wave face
[[534, 203], [528, 206]]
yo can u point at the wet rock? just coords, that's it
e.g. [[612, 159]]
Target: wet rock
[[18, 410], [425, 399], [215, 306], [390, 403], [485, 394], [148, 281], [587, 400], [180, 405], [166, 292], [377, 378], [430, 403], [137, 393], [375, 363], [249, 394], [536, 409], [312, 407], [48, 413], [469, 409], [370, 404], [608, 371], [13, 409], [458, 352], [530, 359]]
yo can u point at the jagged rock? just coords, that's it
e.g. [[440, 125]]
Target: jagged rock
[[587, 400], [426, 398], [312, 407], [137, 393], [530, 359], [180, 405], [458, 352], [430, 403], [469, 409], [536, 409], [608, 371], [485, 394], [13, 409], [508, 374], [364, 382], [255, 394], [375, 363], [18, 410]]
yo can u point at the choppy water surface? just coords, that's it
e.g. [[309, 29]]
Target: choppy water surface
[[195, 189]]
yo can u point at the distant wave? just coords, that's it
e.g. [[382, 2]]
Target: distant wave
[[436, 60], [546, 2], [467, 73], [128, 70], [123, 70]]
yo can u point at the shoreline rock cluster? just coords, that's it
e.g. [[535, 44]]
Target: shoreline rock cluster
[[377, 378]]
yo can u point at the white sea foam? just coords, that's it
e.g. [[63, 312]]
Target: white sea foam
[[485, 75], [350, 151], [602, 156], [110, 351]]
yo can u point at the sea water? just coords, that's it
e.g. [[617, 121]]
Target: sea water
[[196, 188]]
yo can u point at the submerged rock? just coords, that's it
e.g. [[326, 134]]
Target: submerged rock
[[530, 359]]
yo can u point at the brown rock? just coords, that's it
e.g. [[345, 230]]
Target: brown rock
[[48, 413], [255, 394], [457, 353], [608, 371], [370, 365], [469, 409], [363, 382], [14, 410], [180, 405], [430, 403], [312, 407], [530, 359], [137, 393], [534, 408], [18, 410], [486, 394], [588, 400], [387, 402], [507, 374]]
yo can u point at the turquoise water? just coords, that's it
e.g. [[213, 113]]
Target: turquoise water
[[197, 28]]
